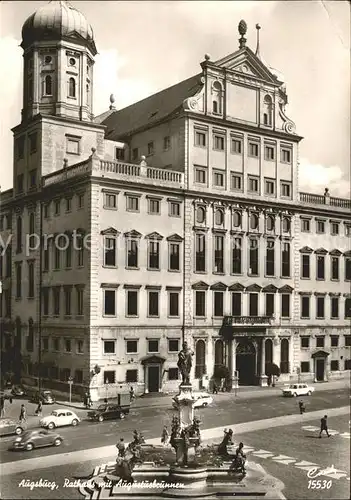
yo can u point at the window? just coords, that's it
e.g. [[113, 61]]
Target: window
[[334, 341], [19, 235], [173, 345], [218, 304], [347, 308], [334, 365], [305, 366], [334, 303], [166, 143], [71, 87], [153, 345], [68, 346], [253, 258], [132, 253], [219, 254], [153, 306], [32, 178], [120, 154], [347, 340], [286, 260], [335, 268], [285, 306], [320, 341], [173, 373], [135, 154], [285, 155], [254, 221], [305, 342], [320, 227], [253, 185], [109, 252], [267, 110], [237, 219], [132, 204], [32, 142], [57, 259], [56, 344], [219, 217], [68, 204], [109, 347], [56, 293], [348, 269], [31, 231], [253, 149], [200, 253], [154, 207], [305, 307], [18, 280], [109, 377], [218, 142], [200, 303], [78, 376], [200, 359], [236, 303], [253, 304], [48, 85], [57, 206], [174, 209], [80, 293], [236, 146], [68, 299], [236, 256], [286, 225], [334, 228], [45, 344], [132, 303], [109, 302], [154, 255], [132, 376], [347, 364], [270, 223], [30, 280], [20, 183], [20, 147], [270, 271], [269, 187], [30, 89], [200, 175], [236, 182], [174, 257], [150, 148], [200, 139], [173, 309], [131, 346], [200, 215], [305, 266], [218, 179], [81, 200], [285, 190], [269, 304], [110, 200], [305, 225], [45, 296], [269, 152], [347, 230], [80, 250], [320, 267], [320, 307]]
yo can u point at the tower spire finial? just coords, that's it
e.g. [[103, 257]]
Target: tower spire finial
[[258, 27], [242, 28], [112, 102]]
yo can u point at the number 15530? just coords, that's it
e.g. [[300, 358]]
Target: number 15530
[[316, 484]]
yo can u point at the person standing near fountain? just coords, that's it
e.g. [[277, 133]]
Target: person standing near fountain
[[185, 363], [165, 436]]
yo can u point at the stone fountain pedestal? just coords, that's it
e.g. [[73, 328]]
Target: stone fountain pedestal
[[185, 401]]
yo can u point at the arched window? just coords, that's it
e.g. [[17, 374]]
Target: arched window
[[200, 215], [71, 87], [237, 219], [268, 352], [30, 338], [48, 85], [217, 98], [219, 353], [200, 359], [19, 235], [284, 356], [286, 225], [88, 92], [267, 110], [31, 231], [270, 223], [219, 217], [253, 221]]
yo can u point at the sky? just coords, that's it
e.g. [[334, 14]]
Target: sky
[[145, 46]]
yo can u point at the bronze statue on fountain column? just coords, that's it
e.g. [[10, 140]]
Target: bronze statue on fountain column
[[185, 363]]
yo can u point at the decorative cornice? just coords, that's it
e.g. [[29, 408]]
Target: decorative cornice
[[132, 287], [200, 229], [154, 236], [269, 289], [320, 294], [109, 285], [236, 287], [174, 237], [335, 252], [174, 288], [253, 288], [286, 289], [321, 251], [306, 250], [219, 230], [200, 285], [133, 234], [153, 287], [218, 286], [110, 231], [305, 293], [334, 294]]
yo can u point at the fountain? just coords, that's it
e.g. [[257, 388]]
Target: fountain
[[186, 468]]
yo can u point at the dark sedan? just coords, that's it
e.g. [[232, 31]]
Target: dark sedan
[[107, 412], [46, 397], [36, 439], [10, 426], [18, 391]]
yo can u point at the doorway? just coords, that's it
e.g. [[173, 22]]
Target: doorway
[[320, 366], [246, 363], [153, 378]]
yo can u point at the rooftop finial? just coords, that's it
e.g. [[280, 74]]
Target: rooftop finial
[[242, 28], [112, 101], [258, 27]]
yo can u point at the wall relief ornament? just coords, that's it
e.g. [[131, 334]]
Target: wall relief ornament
[[288, 125], [196, 102]]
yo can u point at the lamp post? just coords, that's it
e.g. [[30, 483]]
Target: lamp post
[[70, 383]]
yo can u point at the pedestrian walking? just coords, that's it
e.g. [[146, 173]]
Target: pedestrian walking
[[324, 426], [165, 436], [23, 414], [131, 394], [215, 388], [39, 410], [301, 407], [2, 407], [121, 447]]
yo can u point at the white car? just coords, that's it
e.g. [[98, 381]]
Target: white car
[[202, 399], [298, 390], [59, 418]]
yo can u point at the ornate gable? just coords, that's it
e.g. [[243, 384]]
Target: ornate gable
[[110, 230], [321, 251], [306, 250], [253, 288], [154, 236], [286, 289], [335, 252], [174, 237], [347, 253], [199, 285], [269, 289], [236, 287], [132, 234], [219, 286]]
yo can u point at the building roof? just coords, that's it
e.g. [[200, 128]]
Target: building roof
[[151, 110]]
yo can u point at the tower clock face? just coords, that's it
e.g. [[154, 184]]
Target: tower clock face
[[48, 59], [72, 61]]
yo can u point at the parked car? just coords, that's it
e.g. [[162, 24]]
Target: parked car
[[295, 390], [10, 426], [36, 439], [59, 418], [18, 391], [202, 399], [45, 397], [107, 412]]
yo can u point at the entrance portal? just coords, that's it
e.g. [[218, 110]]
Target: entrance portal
[[154, 378], [246, 363], [320, 365]]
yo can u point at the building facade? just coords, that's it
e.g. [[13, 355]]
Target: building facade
[[176, 218]]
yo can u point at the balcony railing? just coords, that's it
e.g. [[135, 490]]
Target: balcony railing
[[247, 320], [318, 199]]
